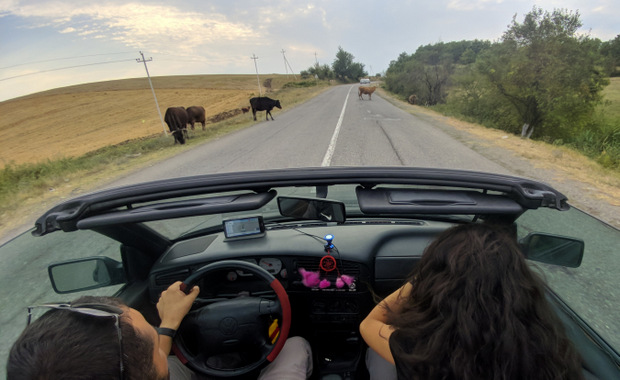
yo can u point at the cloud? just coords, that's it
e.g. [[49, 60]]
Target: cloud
[[155, 27], [470, 5]]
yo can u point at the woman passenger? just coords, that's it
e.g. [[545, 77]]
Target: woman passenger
[[472, 309]]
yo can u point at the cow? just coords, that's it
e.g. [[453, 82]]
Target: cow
[[196, 114], [366, 90], [176, 118], [264, 104], [245, 109]]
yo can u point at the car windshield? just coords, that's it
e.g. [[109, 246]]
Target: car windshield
[[188, 226], [133, 99]]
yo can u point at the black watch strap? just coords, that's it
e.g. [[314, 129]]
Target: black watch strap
[[166, 331]]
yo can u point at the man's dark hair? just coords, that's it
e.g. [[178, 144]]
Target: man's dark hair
[[64, 344]]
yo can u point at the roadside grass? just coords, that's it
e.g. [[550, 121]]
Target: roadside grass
[[25, 185], [612, 97], [598, 140], [573, 163]]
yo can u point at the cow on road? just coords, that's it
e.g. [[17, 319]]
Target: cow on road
[[264, 104], [366, 90]]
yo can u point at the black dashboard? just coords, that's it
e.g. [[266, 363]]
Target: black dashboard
[[368, 261]]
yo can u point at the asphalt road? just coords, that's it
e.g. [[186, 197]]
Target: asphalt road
[[332, 129]]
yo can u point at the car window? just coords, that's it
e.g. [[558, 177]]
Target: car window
[[28, 277], [591, 289]]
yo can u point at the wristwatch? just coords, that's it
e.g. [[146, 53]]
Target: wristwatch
[[166, 331]]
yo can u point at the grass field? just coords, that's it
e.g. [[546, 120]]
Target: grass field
[[612, 95], [72, 121], [64, 141]]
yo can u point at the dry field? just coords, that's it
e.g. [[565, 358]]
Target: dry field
[[71, 121]]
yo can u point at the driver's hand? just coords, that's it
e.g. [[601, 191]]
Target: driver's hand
[[174, 304]]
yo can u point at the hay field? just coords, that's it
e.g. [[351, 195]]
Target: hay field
[[71, 121]]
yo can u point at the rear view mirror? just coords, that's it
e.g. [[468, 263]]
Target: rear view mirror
[[553, 249], [312, 209], [85, 274]]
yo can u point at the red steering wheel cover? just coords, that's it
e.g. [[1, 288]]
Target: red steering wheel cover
[[286, 318]]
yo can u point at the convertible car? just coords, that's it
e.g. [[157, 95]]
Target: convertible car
[[309, 252]]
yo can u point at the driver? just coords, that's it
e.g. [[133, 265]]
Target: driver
[[88, 339]]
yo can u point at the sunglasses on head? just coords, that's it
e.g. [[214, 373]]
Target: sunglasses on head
[[94, 310]]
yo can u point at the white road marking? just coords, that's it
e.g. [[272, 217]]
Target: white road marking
[[332, 144]]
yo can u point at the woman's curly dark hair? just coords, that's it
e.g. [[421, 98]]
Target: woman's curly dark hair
[[477, 311]]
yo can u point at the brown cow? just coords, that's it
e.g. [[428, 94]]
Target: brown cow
[[366, 90], [176, 118], [196, 114]]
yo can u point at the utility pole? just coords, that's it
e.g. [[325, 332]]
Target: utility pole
[[288, 66], [285, 67], [254, 57], [152, 90], [316, 59]]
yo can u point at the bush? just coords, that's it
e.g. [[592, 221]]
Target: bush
[[305, 83]]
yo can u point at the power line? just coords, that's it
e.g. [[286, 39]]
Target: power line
[[288, 66], [285, 66], [63, 59], [64, 68]]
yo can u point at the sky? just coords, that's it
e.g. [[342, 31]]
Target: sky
[[54, 43]]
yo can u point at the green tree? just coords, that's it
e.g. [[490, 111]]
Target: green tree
[[551, 76], [611, 51], [345, 69], [322, 72]]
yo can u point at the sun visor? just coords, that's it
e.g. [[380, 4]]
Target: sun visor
[[419, 201], [179, 209]]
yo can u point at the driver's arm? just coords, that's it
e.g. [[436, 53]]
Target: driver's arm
[[374, 329], [172, 306]]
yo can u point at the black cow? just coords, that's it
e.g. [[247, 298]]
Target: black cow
[[264, 104], [176, 118], [196, 114]]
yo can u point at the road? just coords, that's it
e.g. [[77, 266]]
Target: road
[[332, 129], [359, 133]]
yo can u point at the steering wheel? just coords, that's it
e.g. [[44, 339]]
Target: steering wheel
[[232, 325]]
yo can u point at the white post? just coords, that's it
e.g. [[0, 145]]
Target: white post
[[152, 90], [254, 57]]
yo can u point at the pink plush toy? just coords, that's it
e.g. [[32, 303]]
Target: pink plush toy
[[347, 279], [339, 282], [313, 279], [344, 279], [309, 279]]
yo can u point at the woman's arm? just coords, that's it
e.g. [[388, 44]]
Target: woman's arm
[[374, 329]]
